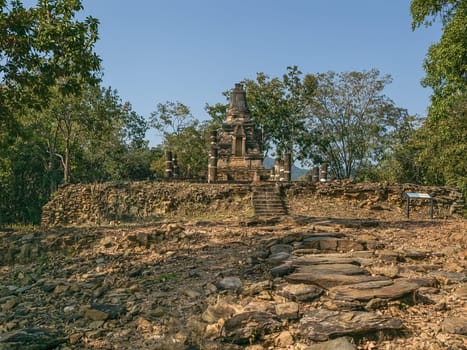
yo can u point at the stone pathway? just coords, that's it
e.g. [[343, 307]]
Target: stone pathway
[[337, 271], [337, 268]]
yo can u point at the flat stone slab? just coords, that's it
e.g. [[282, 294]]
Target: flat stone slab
[[282, 270], [385, 289], [299, 292], [461, 291], [102, 312], [305, 251], [310, 236], [327, 280], [319, 259], [31, 339], [446, 277], [278, 258], [322, 324], [341, 269], [415, 254], [330, 243]]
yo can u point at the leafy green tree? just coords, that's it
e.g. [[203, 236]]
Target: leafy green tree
[[442, 149], [278, 107], [446, 62], [171, 118], [102, 138], [43, 49], [92, 133], [350, 121], [442, 137], [28, 184], [217, 112], [40, 47], [396, 163], [184, 136]]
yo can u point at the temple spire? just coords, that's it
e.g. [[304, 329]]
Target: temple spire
[[238, 108]]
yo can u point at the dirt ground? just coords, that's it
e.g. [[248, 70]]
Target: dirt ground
[[162, 278]]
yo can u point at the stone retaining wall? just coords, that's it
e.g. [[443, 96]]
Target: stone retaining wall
[[110, 203], [447, 200]]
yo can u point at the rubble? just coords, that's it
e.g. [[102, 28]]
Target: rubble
[[211, 284]]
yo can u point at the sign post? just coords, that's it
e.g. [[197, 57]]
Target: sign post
[[416, 195]]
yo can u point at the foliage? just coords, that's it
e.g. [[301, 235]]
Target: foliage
[[40, 47], [23, 181], [44, 51], [397, 163], [90, 137], [184, 136], [278, 107], [441, 140], [443, 148], [89, 133], [446, 62], [350, 121], [217, 112]]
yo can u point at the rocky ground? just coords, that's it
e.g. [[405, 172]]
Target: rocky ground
[[340, 277]]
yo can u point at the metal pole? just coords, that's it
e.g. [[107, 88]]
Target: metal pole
[[408, 207]]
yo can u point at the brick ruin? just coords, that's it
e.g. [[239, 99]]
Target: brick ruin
[[236, 150]]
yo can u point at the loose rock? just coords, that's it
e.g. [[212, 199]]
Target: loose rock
[[321, 325]]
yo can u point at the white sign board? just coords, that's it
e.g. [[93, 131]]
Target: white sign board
[[418, 195]]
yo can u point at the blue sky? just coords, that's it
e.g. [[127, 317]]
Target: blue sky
[[191, 51]]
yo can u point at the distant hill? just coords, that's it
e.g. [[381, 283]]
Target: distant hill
[[268, 163]]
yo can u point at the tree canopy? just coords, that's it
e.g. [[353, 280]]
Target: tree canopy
[[441, 149], [183, 135], [350, 121], [57, 124], [40, 47], [278, 106]]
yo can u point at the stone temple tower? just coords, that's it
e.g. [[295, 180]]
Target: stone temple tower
[[239, 143]]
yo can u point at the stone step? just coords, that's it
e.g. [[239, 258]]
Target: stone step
[[365, 291], [267, 201], [321, 324], [327, 280]]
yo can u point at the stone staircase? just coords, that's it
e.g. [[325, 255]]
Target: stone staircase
[[268, 201]]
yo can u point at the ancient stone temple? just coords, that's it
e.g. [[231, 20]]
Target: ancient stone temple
[[236, 148]]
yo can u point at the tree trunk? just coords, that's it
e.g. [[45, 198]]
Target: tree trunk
[[66, 164]]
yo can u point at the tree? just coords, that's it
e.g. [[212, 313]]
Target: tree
[[101, 138], [40, 47], [350, 120], [91, 133], [170, 118], [183, 135], [442, 149], [396, 163], [43, 50], [278, 108], [446, 62], [442, 137]]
